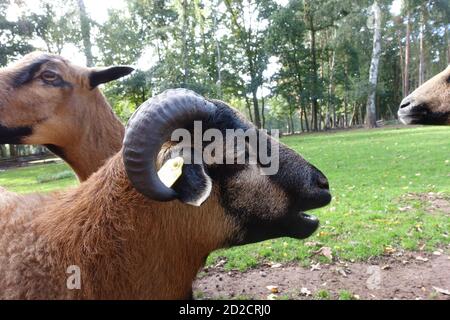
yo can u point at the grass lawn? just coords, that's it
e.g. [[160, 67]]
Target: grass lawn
[[369, 171], [29, 179]]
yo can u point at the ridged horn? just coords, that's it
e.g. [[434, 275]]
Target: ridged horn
[[150, 127]]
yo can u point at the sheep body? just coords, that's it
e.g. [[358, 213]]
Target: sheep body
[[128, 244], [125, 245]]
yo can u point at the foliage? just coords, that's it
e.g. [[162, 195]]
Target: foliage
[[313, 55]]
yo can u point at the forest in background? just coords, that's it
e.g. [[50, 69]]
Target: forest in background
[[298, 65]]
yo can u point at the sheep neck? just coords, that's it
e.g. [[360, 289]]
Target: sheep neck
[[128, 246], [97, 136]]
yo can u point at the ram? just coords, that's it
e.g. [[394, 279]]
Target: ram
[[131, 236], [428, 104], [45, 99]]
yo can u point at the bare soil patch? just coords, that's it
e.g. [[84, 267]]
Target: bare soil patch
[[434, 202], [407, 275]]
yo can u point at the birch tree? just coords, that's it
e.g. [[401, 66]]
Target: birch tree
[[373, 71], [86, 33]]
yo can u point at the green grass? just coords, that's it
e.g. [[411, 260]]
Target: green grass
[[346, 295], [39, 178], [369, 171]]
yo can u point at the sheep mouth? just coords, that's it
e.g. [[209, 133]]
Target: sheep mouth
[[409, 118], [14, 135], [298, 225], [308, 217], [424, 117], [412, 114], [304, 225]]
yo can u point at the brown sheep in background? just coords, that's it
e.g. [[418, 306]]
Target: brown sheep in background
[[46, 100], [135, 238], [429, 103]]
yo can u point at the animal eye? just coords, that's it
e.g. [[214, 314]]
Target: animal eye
[[49, 76]]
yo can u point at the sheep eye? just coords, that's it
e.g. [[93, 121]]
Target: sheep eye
[[49, 76]]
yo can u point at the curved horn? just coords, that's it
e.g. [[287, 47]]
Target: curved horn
[[150, 127]]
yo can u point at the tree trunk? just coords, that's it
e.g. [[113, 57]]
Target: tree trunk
[[185, 40], [86, 33], [407, 49], [263, 116], [373, 72], [291, 119], [305, 118], [257, 121], [301, 120], [345, 111], [3, 151], [331, 106], [402, 65], [12, 150], [219, 58], [421, 47], [249, 109], [314, 103]]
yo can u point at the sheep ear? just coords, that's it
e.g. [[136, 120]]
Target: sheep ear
[[104, 75], [194, 186]]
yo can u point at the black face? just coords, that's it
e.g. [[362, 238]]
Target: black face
[[279, 201], [264, 207]]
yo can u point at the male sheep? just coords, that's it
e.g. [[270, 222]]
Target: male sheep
[[428, 104], [123, 232], [45, 99]]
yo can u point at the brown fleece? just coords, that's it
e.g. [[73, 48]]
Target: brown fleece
[[127, 247]]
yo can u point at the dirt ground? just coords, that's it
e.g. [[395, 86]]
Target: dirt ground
[[434, 202], [408, 275], [401, 275]]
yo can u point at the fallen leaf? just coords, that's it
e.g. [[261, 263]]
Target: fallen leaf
[[220, 263], [273, 289], [341, 272], [276, 265], [326, 252], [305, 292], [312, 243], [315, 267], [385, 267], [437, 253], [421, 259], [272, 297], [389, 250], [443, 291]]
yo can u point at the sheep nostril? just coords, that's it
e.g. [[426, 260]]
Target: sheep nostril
[[405, 103]]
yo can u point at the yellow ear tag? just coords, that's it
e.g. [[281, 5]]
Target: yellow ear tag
[[171, 171]]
